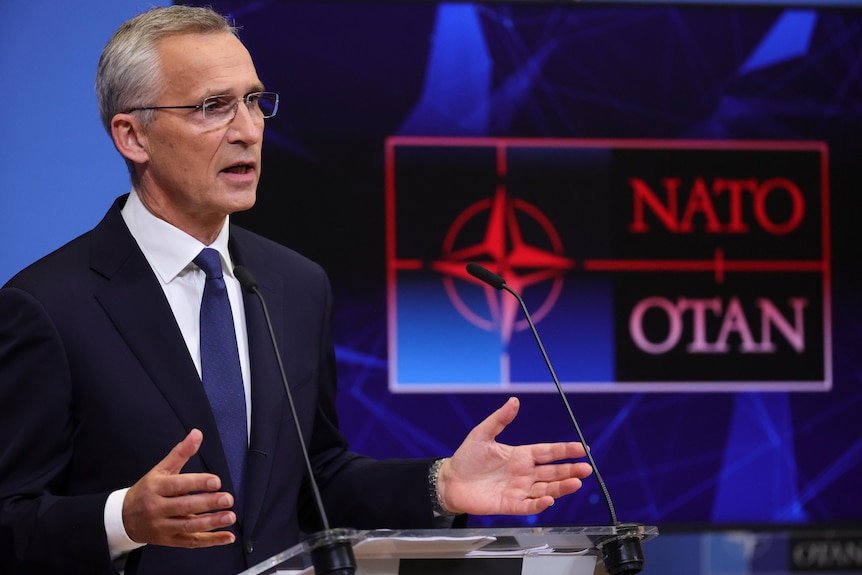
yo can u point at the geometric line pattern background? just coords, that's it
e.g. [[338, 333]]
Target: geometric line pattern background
[[352, 74]]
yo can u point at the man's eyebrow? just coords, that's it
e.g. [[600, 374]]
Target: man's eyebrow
[[257, 87], [228, 92]]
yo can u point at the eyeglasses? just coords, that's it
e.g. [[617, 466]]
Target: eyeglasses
[[218, 110]]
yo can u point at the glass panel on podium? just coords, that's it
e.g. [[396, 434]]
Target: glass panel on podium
[[501, 551]]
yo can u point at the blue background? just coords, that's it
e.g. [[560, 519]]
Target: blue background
[[60, 169]]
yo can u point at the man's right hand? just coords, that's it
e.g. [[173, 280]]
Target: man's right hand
[[176, 509]]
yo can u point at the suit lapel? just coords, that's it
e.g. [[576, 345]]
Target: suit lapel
[[268, 411]]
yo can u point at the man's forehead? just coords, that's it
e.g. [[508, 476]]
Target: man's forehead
[[207, 64], [202, 47]]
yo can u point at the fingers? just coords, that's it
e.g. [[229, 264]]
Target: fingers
[[191, 502], [181, 453], [183, 483], [167, 507], [188, 520], [543, 494], [533, 506], [183, 520], [200, 530], [555, 489], [550, 452], [562, 471], [495, 423]]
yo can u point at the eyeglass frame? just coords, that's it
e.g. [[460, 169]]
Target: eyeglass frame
[[202, 105]]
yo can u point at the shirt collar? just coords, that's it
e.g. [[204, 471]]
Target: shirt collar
[[169, 249]]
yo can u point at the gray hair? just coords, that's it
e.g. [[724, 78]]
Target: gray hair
[[129, 72]]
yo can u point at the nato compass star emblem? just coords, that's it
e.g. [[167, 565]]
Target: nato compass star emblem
[[504, 251]]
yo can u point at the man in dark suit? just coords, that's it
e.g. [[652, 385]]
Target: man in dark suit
[[112, 451]]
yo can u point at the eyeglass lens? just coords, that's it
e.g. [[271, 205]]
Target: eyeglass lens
[[218, 108]]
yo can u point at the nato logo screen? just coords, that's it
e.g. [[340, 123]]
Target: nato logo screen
[[646, 265]]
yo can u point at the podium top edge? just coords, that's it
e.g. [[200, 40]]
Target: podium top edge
[[573, 539]]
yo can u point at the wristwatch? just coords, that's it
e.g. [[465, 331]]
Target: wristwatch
[[433, 474]]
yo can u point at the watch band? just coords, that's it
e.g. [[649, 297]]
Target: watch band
[[434, 492]]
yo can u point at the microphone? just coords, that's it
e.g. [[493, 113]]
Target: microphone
[[622, 554], [331, 550]]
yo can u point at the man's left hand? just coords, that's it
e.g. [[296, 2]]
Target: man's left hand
[[485, 477]]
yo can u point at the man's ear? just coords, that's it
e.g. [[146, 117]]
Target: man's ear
[[130, 138]]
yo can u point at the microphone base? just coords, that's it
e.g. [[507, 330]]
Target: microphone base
[[622, 554], [332, 553]]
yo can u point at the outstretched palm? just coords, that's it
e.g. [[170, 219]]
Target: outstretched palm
[[485, 477]]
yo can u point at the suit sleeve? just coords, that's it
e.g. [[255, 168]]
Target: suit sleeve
[[358, 491], [42, 528]]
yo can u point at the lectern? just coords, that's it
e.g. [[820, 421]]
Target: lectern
[[498, 551]]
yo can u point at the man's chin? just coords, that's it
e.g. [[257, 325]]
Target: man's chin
[[243, 201]]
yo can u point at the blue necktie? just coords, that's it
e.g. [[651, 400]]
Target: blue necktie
[[220, 369]]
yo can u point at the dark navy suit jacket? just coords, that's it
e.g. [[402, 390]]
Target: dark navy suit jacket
[[97, 386]]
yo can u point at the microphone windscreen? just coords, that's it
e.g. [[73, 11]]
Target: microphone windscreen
[[246, 280], [486, 275]]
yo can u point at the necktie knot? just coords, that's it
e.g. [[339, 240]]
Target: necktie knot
[[210, 262]]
